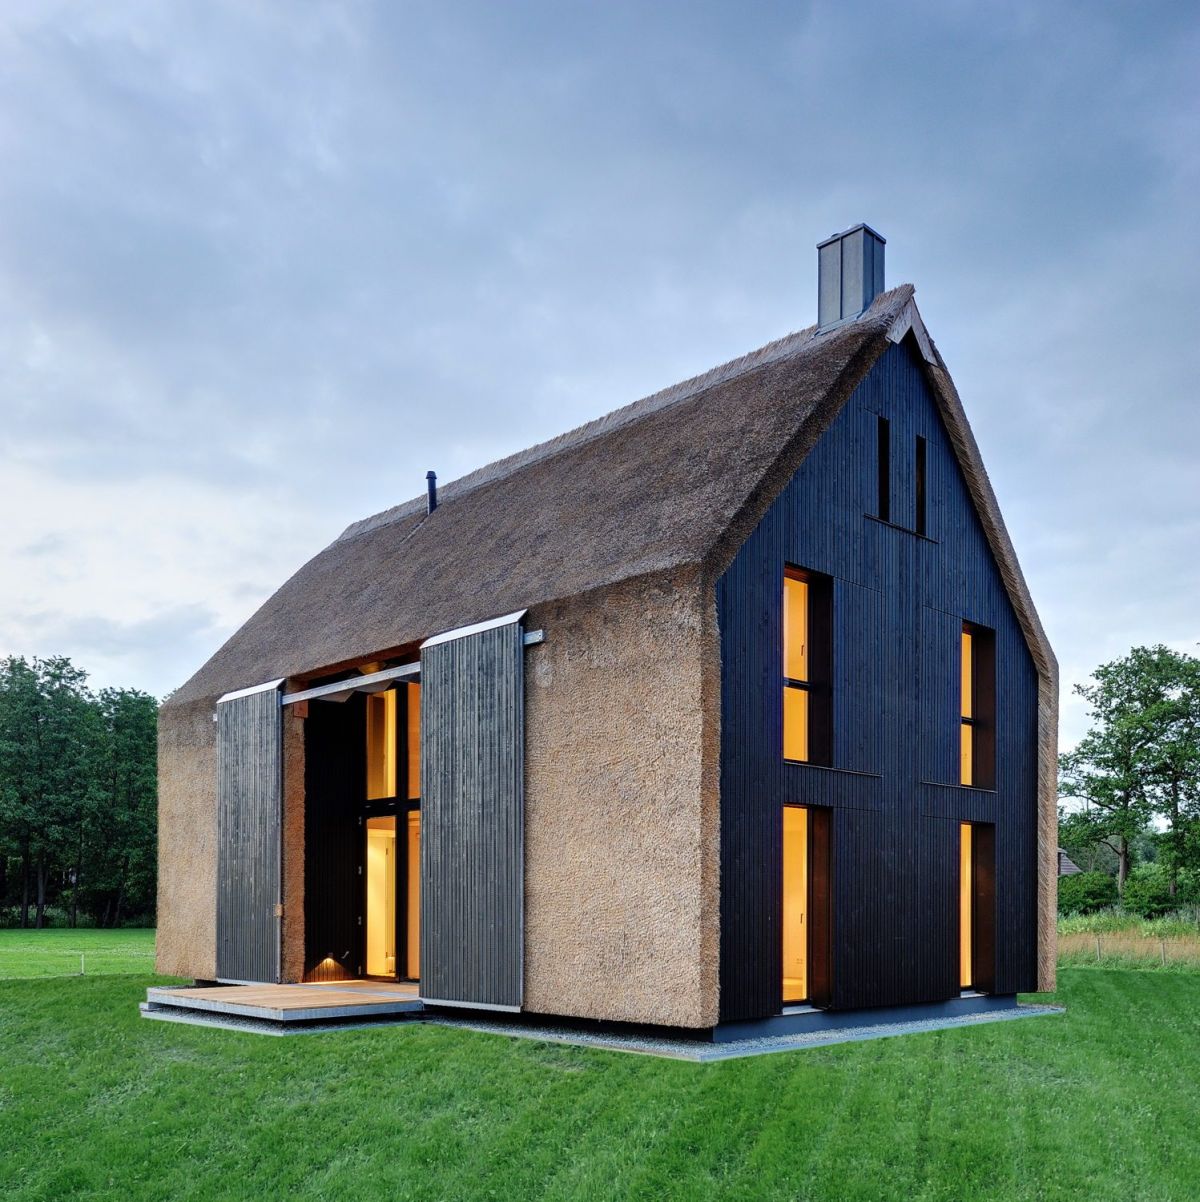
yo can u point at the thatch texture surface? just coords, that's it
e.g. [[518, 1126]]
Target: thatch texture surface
[[652, 487]]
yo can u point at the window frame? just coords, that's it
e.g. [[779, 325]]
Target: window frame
[[818, 686], [981, 720]]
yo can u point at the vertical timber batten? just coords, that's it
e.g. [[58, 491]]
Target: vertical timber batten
[[473, 817], [893, 789], [249, 823]]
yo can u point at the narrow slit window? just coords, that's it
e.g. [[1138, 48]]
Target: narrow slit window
[[412, 744], [883, 460], [967, 710], [921, 486], [806, 662], [795, 904]]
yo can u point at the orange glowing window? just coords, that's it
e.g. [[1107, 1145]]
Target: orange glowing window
[[965, 907], [412, 942], [806, 637], [966, 709], [795, 629], [381, 745], [412, 706], [795, 904]]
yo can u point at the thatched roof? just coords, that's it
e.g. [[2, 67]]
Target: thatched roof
[[678, 478]]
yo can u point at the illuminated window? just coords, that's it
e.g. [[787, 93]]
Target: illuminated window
[[381, 745], [976, 742], [806, 945], [967, 710], [412, 889], [795, 904], [806, 662], [966, 912], [381, 896], [412, 757]]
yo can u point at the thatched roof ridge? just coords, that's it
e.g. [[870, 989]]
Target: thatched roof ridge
[[651, 487], [789, 344]]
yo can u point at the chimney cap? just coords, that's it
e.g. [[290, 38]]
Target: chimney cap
[[862, 225]]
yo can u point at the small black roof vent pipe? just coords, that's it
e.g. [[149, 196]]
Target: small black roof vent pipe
[[849, 274], [431, 484]]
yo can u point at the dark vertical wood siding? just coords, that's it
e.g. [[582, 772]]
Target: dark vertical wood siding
[[899, 603], [249, 814], [335, 786], [473, 819]]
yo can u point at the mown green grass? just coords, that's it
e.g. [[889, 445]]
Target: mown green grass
[[1100, 1103], [61, 953]]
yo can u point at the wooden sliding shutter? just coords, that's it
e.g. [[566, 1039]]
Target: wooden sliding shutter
[[473, 816], [249, 814]]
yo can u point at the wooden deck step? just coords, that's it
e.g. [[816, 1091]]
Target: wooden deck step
[[291, 1003]]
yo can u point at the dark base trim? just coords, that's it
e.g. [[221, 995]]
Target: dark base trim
[[797, 1020]]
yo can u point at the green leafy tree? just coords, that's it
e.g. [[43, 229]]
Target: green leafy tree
[[119, 865], [1173, 756], [77, 793], [1132, 761]]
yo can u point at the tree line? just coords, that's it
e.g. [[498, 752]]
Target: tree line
[[1132, 784], [78, 798]]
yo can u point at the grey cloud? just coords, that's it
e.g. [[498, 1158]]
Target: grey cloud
[[255, 248]]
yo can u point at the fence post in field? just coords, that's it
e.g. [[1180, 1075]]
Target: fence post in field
[[81, 964], [1163, 945], [1097, 949]]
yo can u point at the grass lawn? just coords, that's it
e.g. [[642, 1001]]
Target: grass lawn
[[57, 953], [96, 1102]]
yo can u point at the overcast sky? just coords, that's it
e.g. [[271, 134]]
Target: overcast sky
[[263, 264]]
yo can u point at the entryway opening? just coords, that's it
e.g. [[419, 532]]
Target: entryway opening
[[806, 906], [976, 907], [362, 896]]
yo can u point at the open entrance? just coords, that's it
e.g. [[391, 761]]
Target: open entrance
[[806, 907], [362, 895], [976, 907]]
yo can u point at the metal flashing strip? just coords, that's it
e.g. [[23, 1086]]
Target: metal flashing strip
[[258, 688], [437, 1001], [373, 682], [463, 631], [909, 320]]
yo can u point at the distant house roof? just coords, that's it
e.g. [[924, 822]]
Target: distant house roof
[[676, 479], [1066, 866]]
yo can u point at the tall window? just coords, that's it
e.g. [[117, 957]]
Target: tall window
[[795, 904], [977, 702], [977, 906], [412, 756], [965, 907], [807, 603], [967, 708], [381, 745], [883, 461], [806, 928]]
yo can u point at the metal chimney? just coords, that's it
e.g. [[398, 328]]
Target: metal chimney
[[849, 274], [431, 485]]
